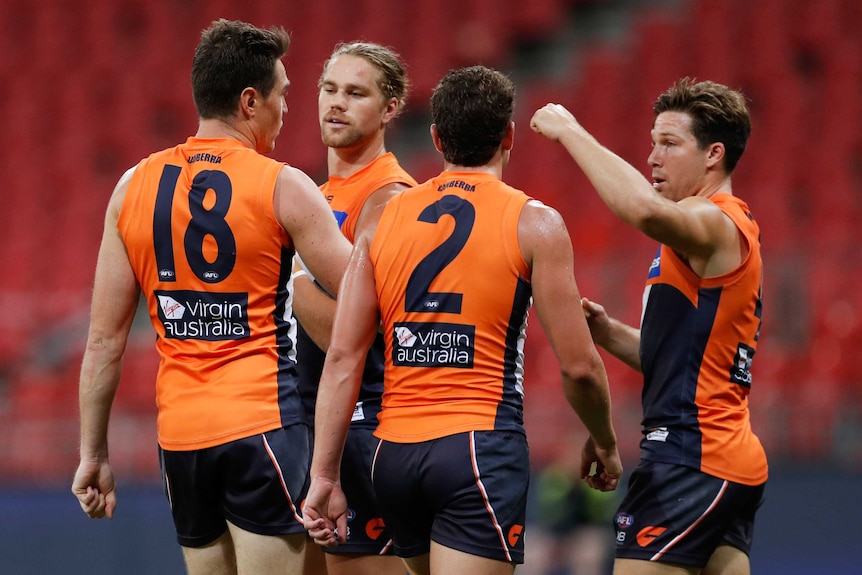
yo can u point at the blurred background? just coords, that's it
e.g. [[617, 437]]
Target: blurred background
[[92, 86]]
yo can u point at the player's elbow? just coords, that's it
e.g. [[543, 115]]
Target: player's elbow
[[586, 371]]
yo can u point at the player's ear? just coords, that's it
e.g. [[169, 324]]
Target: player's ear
[[247, 102], [391, 110], [509, 137], [435, 137], [715, 153]]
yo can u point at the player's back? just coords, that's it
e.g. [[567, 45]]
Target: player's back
[[454, 292], [214, 264]]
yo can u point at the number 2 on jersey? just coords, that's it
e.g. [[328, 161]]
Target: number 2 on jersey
[[204, 222], [418, 297]]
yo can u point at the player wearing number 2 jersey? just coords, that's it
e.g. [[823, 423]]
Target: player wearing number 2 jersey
[[206, 232], [452, 268]]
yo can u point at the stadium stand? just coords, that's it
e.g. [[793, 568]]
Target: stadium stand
[[103, 83]]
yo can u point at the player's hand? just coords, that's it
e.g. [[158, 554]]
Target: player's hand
[[552, 121], [597, 320], [95, 489], [324, 512], [608, 466]]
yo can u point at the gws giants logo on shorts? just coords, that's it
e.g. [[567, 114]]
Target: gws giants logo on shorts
[[201, 315], [649, 534], [515, 535], [433, 345], [374, 528]]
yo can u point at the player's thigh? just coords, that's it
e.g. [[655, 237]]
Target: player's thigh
[[419, 565], [315, 559], [214, 558], [267, 554], [447, 561], [641, 567], [355, 564], [728, 560]]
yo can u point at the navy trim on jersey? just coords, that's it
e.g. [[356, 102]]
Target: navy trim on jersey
[[674, 337], [510, 412], [289, 401]]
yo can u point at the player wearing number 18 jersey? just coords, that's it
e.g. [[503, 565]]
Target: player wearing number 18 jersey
[[452, 268], [206, 232]]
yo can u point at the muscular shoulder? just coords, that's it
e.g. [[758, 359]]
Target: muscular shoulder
[[291, 179], [294, 193], [118, 196], [541, 227]]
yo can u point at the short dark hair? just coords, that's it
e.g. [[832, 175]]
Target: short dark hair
[[718, 114], [472, 107], [393, 81], [231, 57]]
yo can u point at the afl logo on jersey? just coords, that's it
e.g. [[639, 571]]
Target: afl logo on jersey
[[624, 520], [655, 266]]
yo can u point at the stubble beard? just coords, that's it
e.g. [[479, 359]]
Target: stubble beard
[[345, 139]]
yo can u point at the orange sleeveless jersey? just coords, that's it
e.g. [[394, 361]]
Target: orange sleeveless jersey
[[346, 196], [454, 293], [214, 263], [698, 338]]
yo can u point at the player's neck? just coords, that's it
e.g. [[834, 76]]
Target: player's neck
[[494, 167], [214, 128], [344, 162]]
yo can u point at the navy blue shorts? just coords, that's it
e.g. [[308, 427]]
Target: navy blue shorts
[[466, 491], [367, 534], [678, 514], [256, 483]]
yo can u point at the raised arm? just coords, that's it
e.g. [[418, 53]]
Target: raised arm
[[115, 298], [693, 226], [546, 245]]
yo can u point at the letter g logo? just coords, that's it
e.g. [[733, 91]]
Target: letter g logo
[[515, 534]]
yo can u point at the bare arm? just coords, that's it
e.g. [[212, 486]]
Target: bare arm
[[115, 297], [620, 340], [312, 306], [694, 227], [305, 215], [355, 328], [545, 243]]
